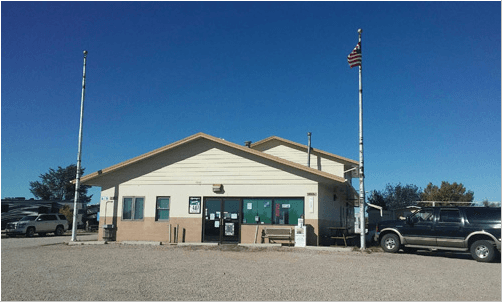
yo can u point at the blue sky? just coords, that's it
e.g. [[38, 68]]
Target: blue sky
[[158, 72]]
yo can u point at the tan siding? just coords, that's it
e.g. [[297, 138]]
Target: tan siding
[[300, 157], [217, 166]]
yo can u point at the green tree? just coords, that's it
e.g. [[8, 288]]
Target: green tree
[[68, 212], [376, 198], [56, 185], [447, 194], [396, 196], [487, 203]]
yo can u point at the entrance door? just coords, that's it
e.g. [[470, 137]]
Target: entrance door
[[221, 220]]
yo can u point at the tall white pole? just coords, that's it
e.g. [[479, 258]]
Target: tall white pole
[[362, 188], [79, 156]]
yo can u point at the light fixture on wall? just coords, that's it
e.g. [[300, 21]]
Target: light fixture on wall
[[218, 188]]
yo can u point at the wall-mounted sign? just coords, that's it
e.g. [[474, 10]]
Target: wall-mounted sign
[[194, 205]]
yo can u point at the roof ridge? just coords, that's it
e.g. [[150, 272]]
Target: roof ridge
[[217, 140]]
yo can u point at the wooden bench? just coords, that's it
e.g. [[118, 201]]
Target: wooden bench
[[340, 233], [278, 234]]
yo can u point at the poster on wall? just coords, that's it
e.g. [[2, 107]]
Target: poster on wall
[[194, 205]]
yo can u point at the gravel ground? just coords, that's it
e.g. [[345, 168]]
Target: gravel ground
[[48, 269]]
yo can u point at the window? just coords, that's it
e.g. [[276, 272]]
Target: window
[[475, 215], [47, 217], [449, 216], [272, 211], [257, 211], [132, 208], [162, 208], [425, 215]]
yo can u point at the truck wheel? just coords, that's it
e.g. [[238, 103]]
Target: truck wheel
[[30, 232], [390, 243], [483, 251], [59, 231]]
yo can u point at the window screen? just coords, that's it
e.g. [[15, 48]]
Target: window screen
[[138, 208], [128, 206]]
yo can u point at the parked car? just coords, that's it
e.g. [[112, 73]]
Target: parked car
[[41, 224], [473, 229]]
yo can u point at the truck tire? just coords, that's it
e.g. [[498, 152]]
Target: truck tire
[[483, 251], [59, 231], [390, 243], [30, 232]]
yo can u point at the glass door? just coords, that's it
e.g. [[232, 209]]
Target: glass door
[[230, 222], [212, 211], [221, 220]]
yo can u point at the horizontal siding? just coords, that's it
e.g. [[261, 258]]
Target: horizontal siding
[[217, 166], [300, 157]]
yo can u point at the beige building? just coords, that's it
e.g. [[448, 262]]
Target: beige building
[[217, 191]]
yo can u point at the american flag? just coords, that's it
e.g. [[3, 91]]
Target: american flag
[[355, 57]]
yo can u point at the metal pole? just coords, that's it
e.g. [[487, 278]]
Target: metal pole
[[362, 189], [79, 156]]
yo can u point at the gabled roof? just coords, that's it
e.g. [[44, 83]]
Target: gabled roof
[[216, 140], [345, 161]]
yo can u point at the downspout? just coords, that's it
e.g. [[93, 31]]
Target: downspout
[[309, 149]]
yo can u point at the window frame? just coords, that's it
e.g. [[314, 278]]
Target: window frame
[[157, 208], [133, 208]]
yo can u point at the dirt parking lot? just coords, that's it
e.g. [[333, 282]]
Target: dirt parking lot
[[49, 269]]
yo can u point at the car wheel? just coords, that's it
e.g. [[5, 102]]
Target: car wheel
[[59, 231], [30, 232], [390, 243], [483, 251]]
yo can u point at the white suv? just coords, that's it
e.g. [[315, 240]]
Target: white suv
[[41, 224]]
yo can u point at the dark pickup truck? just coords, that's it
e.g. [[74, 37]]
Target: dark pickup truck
[[474, 229]]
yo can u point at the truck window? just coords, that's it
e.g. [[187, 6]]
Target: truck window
[[487, 215], [425, 215], [450, 215]]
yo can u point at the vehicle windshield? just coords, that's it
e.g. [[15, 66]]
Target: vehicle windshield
[[423, 215], [28, 218]]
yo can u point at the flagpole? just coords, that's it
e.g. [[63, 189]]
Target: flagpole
[[362, 189], [79, 155]]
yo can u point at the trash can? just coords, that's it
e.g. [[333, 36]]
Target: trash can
[[108, 232]]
